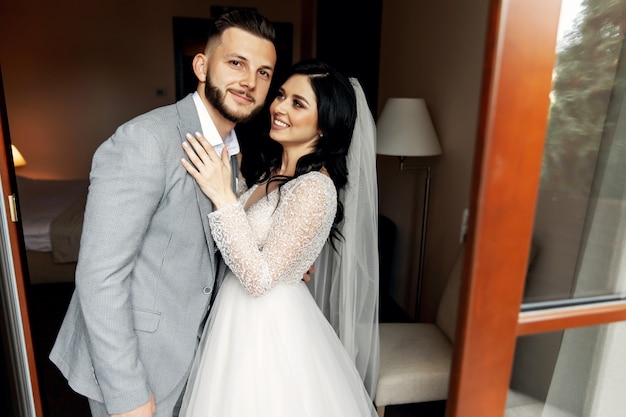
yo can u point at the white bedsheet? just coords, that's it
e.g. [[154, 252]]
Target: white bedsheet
[[40, 202]]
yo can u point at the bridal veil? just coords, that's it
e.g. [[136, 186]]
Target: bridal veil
[[345, 283]]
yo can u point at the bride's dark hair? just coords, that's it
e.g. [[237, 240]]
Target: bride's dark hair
[[336, 108]]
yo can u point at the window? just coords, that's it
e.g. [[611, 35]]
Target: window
[[551, 144]]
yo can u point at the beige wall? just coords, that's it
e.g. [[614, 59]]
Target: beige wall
[[73, 71], [433, 50]]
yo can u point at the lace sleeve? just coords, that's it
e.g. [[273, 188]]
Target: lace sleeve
[[299, 228]]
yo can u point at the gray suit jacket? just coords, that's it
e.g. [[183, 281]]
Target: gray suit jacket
[[146, 266]]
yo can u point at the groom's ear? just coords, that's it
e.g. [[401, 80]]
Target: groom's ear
[[200, 66]]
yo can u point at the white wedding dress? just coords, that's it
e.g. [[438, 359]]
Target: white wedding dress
[[267, 349]]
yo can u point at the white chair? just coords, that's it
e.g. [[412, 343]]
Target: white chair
[[415, 358]]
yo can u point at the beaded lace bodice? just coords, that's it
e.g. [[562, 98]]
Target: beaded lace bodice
[[279, 237]]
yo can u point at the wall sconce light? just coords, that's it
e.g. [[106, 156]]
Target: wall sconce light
[[18, 159], [404, 128]]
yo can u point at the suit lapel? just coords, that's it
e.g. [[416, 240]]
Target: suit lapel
[[190, 122], [205, 206]]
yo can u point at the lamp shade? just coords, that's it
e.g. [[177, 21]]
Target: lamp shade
[[18, 159], [404, 128]]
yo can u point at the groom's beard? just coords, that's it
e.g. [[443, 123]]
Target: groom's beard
[[216, 98]]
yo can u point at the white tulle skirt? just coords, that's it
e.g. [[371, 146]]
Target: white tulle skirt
[[275, 356]]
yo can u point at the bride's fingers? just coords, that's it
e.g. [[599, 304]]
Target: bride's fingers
[[196, 168], [191, 169], [199, 150], [225, 156], [208, 148], [193, 156]]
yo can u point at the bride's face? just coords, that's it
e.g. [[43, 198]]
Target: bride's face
[[294, 114]]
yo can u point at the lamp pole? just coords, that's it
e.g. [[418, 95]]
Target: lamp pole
[[420, 268], [405, 129]]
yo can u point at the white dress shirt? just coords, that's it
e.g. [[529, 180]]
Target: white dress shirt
[[210, 131]]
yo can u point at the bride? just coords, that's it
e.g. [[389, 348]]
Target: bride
[[267, 348]]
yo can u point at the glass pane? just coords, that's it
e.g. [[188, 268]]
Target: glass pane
[[578, 247], [574, 373]]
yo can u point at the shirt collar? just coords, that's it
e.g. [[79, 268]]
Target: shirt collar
[[210, 131]]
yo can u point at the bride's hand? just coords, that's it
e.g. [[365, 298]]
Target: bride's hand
[[212, 173]]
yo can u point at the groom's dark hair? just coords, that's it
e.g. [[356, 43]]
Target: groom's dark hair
[[244, 19]]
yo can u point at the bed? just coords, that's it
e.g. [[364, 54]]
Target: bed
[[52, 221]]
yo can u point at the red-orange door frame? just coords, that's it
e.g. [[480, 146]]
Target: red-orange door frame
[[519, 59], [7, 174]]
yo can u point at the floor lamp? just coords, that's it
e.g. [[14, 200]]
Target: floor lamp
[[404, 128]]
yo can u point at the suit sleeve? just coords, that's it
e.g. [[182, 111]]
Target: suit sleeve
[[127, 182]]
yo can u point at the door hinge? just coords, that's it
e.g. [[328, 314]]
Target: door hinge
[[13, 208]]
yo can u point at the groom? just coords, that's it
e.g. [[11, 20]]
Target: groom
[[147, 265]]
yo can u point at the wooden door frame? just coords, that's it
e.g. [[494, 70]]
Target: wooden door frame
[[517, 80], [21, 351]]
